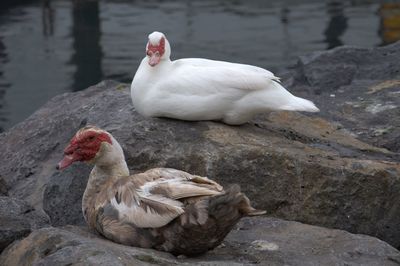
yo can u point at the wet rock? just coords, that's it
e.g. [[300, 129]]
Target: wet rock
[[294, 166], [17, 220], [261, 240], [357, 87]]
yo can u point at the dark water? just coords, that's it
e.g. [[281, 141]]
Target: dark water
[[51, 47]]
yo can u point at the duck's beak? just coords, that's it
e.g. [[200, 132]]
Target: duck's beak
[[65, 162], [70, 156], [154, 59]]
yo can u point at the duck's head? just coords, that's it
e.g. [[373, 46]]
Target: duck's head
[[91, 144], [157, 48]]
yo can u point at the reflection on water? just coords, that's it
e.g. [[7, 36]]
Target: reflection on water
[[337, 24], [52, 46], [389, 22], [3, 84], [86, 49], [47, 18]]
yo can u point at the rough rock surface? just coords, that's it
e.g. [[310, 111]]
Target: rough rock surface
[[358, 87], [17, 220], [294, 166], [261, 240]]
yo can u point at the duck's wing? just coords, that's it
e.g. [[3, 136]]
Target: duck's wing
[[201, 62], [150, 199], [180, 178], [153, 175], [177, 189], [215, 75], [125, 203]]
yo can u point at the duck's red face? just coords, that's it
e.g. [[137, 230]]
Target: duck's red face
[[155, 52], [83, 147]]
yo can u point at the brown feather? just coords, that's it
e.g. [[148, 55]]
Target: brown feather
[[182, 189]]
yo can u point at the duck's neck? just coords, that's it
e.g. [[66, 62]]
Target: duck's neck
[[110, 162], [105, 172], [165, 63], [111, 165]]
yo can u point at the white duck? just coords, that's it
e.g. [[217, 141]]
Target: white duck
[[162, 208], [201, 89]]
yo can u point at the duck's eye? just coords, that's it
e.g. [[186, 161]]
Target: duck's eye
[[91, 138]]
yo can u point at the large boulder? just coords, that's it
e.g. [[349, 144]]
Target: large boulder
[[296, 167], [17, 220], [358, 87], [261, 240]]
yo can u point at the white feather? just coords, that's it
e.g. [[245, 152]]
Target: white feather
[[154, 38], [202, 89]]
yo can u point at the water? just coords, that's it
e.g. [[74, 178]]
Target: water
[[51, 47]]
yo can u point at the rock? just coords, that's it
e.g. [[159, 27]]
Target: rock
[[76, 246], [3, 187], [17, 220], [261, 240], [357, 87], [296, 167], [271, 241]]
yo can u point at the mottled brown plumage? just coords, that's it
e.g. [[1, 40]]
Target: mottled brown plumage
[[162, 208]]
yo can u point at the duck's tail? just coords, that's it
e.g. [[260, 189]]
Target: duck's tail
[[233, 201], [300, 104], [291, 102]]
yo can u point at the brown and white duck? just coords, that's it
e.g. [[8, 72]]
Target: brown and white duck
[[162, 208]]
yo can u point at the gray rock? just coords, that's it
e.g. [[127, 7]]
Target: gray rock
[[296, 167], [76, 246], [3, 187], [357, 87], [17, 220], [261, 240]]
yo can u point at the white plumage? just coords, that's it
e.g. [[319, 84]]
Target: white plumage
[[201, 89]]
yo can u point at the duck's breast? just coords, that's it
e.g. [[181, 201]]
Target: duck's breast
[[142, 84]]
